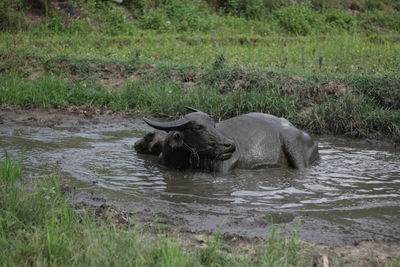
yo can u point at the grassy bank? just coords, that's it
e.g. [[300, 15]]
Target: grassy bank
[[38, 227], [358, 105]]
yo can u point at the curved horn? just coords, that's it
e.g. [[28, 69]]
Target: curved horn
[[168, 125], [193, 109]]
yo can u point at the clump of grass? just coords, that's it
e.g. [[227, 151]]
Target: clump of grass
[[272, 251], [176, 15], [337, 20], [212, 255], [354, 116], [298, 19], [163, 98], [378, 21], [49, 91], [379, 88], [11, 171], [10, 20]]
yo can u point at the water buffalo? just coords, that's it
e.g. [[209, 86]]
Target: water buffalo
[[249, 141]]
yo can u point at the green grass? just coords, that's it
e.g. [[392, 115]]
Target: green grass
[[38, 227], [49, 91], [342, 53], [295, 38]]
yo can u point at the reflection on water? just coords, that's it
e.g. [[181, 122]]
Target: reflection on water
[[353, 191]]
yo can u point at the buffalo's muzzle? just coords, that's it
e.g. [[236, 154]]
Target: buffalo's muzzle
[[227, 152]]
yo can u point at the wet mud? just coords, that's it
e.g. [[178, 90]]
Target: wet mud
[[350, 196]]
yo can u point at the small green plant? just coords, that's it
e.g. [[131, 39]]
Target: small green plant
[[254, 9], [280, 251], [10, 170], [298, 19], [378, 21], [156, 20], [170, 254], [339, 20], [211, 255], [354, 116], [164, 97], [177, 15], [10, 19], [373, 4]]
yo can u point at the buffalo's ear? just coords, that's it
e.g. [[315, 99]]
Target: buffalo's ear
[[180, 124], [149, 136], [177, 136]]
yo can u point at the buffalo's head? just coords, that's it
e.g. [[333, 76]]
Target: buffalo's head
[[195, 133]]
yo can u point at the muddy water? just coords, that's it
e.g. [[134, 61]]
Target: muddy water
[[351, 194]]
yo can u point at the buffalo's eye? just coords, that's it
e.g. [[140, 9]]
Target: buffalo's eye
[[212, 143], [198, 127]]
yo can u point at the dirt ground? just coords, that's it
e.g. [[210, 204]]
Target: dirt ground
[[366, 253]]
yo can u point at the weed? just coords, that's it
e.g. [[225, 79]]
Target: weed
[[10, 170], [378, 22], [10, 20], [169, 254], [298, 19], [249, 9], [339, 20], [49, 91], [211, 255], [353, 115], [176, 15]]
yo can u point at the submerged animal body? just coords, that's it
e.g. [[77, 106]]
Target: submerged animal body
[[249, 141]]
